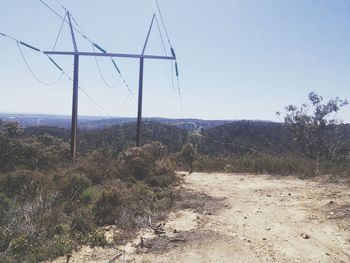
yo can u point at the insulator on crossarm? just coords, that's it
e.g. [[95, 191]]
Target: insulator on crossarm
[[55, 64], [176, 69], [116, 66], [173, 52], [29, 46], [99, 48]]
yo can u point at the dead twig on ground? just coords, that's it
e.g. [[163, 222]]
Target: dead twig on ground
[[115, 257]]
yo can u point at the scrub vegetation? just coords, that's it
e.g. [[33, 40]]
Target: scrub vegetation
[[50, 205]]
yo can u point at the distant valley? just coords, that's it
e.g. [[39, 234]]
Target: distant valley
[[96, 123]]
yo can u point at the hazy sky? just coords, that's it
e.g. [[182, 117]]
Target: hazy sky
[[238, 59]]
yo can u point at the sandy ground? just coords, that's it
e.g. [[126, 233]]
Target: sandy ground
[[244, 218]]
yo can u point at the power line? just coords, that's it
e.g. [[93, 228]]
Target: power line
[[100, 72], [63, 73], [61, 17], [76, 53], [32, 72], [174, 55], [166, 53], [162, 19], [123, 103], [85, 37], [94, 103], [59, 32]]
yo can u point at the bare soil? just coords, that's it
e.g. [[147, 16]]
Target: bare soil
[[243, 218]]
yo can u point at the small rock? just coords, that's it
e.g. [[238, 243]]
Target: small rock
[[331, 202], [268, 195], [305, 236], [245, 217], [226, 205], [249, 241], [175, 231], [268, 229], [327, 254], [264, 238], [289, 194]]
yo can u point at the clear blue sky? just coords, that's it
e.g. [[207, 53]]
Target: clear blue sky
[[238, 59]]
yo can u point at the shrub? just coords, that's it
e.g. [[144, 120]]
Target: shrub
[[106, 207], [45, 213], [72, 185], [162, 175], [20, 244], [21, 184], [97, 239], [188, 155]]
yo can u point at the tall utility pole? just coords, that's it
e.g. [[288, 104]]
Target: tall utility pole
[[74, 125], [77, 54], [139, 110]]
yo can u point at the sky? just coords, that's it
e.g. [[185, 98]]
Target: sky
[[243, 59]]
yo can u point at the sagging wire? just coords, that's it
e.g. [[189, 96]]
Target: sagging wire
[[100, 72], [173, 54], [88, 39], [19, 43], [63, 73], [30, 69], [117, 68]]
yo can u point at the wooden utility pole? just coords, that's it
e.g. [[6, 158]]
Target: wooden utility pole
[[139, 109], [77, 54], [74, 125], [139, 104]]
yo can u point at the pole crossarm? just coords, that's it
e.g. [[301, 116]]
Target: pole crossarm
[[119, 55]]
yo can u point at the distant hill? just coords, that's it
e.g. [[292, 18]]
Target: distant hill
[[93, 123], [247, 137], [118, 137], [235, 138]]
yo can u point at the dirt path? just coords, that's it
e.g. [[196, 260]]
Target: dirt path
[[246, 218]]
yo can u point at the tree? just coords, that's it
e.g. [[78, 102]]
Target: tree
[[317, 131], [188, 155]]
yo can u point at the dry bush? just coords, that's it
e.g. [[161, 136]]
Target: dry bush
[[257, 164], [48, 212]]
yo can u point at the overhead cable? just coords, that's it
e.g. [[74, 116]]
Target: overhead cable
[[85, 37], [100, 72], [59, 32], [32, 72]]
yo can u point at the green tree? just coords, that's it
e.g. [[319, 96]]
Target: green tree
[[188, 155], [317, 131]]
